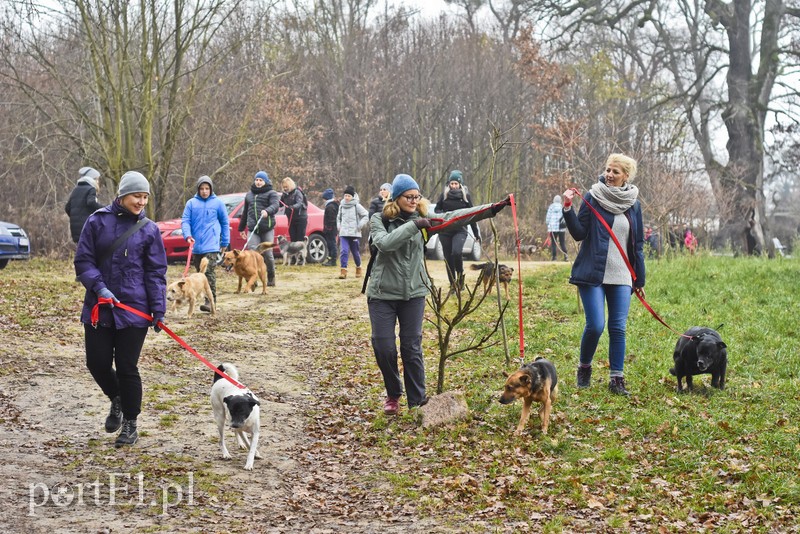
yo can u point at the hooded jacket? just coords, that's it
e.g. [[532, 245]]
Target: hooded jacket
[[135, 273], [352, 218], [82, 203], [399, 269], [206, 220], [590, 264]]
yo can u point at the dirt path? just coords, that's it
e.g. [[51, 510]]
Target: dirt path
[[61, 473]]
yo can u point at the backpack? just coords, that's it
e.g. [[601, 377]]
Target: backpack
[[373, 253]]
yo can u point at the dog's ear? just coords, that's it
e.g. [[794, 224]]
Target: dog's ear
[[236, 253], [181, 284], [721, 345], [506, 374], [525, 378]]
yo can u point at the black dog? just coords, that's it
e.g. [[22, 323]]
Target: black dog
[[704, 352]]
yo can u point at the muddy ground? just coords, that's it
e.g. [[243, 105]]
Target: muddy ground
[[61, 473]]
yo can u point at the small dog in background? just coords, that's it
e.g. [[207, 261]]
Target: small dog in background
[[536, 381], [294, 251], [702, 352], [487, 275], [189, 289], [241, 408]]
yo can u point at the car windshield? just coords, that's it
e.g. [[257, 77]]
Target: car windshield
[[231, 201]]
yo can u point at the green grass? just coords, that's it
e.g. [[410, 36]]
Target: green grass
[[719, 460]]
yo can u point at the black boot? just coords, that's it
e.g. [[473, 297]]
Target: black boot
[[205, 307], [271, 279], [128, 436], [584, 378], [114, 419], [617, 386]]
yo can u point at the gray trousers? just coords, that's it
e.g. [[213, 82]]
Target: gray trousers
[[269, 257], [384, 315]]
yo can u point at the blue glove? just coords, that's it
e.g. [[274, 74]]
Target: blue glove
[[154, 324], [107, 294]]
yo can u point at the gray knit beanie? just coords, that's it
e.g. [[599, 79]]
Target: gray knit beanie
[[133, 182], [205, 180]]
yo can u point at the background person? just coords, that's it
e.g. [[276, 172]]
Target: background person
[[329, 216], [135, 274], [261, 204], [398, 285], [599, 271], [205, 226], [351, 219], [82, 201], [455, 197], [296, 209], [377, 203], [557, 228]]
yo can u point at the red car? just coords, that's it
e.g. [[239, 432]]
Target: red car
[[177, 247]]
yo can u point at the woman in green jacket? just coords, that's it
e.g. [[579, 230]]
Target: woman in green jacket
[[398, 286]]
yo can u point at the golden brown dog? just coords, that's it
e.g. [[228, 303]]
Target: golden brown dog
[[487, 275], [189, 289], [536, 381], [248, 265]]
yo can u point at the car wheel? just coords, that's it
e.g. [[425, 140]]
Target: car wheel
[[3, 264], [437, 253], [317, 249], [475, 253]]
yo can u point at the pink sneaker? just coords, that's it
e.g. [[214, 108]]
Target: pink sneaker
[[391, 406]]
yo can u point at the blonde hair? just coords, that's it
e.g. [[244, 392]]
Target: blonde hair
[[391, 210], [627, 163], [288, 182]]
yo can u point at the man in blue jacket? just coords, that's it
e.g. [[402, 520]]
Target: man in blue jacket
[[205, 226]]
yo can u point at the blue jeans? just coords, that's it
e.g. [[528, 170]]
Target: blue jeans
[[618, 299]]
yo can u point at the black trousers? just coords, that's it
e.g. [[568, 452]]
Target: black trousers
[[297, 228], [561, 246], [452, 247], [112, 357]]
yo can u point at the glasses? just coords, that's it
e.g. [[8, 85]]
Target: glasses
[[413, 198]]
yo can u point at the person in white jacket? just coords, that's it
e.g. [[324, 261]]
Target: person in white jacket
[[351, 219]]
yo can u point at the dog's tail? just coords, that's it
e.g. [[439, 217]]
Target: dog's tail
[[478, 266], [266, 245], [229, 369], [203, 265]]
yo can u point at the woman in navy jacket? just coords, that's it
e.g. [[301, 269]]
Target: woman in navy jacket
[[600, 271], [134, 274]]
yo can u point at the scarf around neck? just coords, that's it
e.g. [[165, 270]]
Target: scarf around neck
[[615, 200]]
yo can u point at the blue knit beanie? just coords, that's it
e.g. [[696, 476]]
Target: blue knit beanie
[[401, 184], [456, 176], [264, 176], [327, 194], [133, 182]]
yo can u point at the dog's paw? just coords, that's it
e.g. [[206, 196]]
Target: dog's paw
[[248, 466], [258, 455], [226, 455], [518, 432]]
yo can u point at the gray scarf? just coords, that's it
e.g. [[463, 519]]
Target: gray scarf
[[615, 199]]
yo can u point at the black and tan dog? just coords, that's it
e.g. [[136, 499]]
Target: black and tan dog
[[536, 381], [487, 275]]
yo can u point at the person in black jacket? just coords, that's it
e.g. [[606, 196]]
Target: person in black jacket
[[261, 204], [455, 197], [329, 225], [296, 209], [82, 201], [376, 204]]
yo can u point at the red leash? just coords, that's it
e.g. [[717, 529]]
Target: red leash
[[519, 280], [638, 290], [162, 326], [188, 260]]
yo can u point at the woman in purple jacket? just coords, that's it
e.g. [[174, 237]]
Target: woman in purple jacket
[[133, 273]]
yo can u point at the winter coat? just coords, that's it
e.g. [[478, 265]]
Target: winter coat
[[399, 269], [256, 200], [555, 212], [206, 220], [135, 273], [590, 264], [451, 201], [352, 218], [376, 205], [82, 203], [296, 204], [329, 216]]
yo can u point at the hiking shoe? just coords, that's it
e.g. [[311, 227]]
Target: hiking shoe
[[423, 402], [114, 419], [391, 406], [617, 386], [128, 436], [205, 307], [584, 378]]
